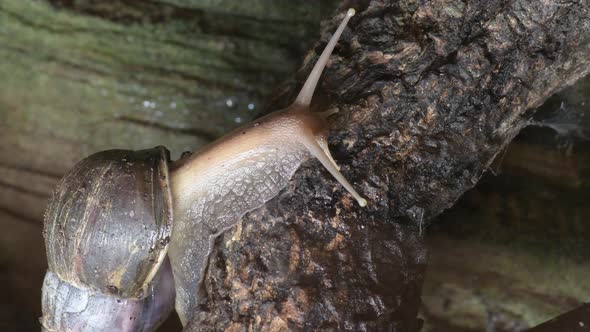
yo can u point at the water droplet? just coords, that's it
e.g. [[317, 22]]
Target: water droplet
[[251, 106], [229, 102], [149, 104], [238, 119]]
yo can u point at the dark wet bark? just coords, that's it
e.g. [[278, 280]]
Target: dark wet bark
[[429, 93]]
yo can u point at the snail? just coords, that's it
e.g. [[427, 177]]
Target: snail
[[213, 189], [118, 216]]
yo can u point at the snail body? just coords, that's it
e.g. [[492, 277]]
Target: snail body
[[127, 238], [69, 308], [214, 188]]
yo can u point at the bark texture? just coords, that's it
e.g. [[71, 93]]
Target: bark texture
[[429, 92], [513, 252]]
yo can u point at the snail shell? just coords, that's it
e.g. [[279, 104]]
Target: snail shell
[[106, 232]]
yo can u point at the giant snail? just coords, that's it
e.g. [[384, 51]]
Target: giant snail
[[122, 224]]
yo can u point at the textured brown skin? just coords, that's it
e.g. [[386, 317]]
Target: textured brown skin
[[429, 92]]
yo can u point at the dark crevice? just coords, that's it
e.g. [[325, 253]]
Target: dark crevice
[[50, 28], [129, 12]]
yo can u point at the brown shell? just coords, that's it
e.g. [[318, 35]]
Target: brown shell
[[108, 224]]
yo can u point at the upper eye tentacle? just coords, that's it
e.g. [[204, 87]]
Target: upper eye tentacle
[[304, 97]]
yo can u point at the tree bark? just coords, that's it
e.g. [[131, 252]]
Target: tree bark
[[429, 93], [513, 252]]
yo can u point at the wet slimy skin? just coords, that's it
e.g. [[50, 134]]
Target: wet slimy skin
[[215, 187]]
